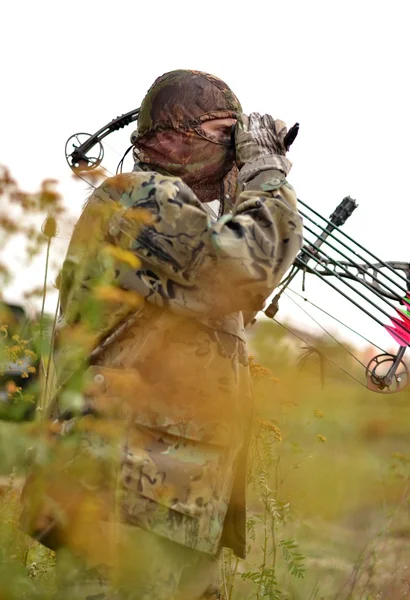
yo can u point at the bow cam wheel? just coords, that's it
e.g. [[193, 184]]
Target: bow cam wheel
[[377, 374], [76, 152]]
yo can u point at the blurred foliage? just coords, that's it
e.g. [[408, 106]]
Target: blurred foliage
[[329, 469]]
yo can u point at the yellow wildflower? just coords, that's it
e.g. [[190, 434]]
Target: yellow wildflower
[[322, 438], [140, 215], [8, 224], [78, 336], [121, 255], [93, 176], [48, 193], [258, 371], [114, 294], [270, 426], [12, 388]]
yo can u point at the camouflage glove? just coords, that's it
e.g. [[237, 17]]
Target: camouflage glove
[[260, 143]]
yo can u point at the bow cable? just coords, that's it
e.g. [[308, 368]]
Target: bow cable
[[321, 354], [323, 278], [332, 317]]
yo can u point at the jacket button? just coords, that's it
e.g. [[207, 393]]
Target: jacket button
[[99, 378]]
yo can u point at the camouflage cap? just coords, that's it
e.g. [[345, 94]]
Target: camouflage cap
[[183, 99]]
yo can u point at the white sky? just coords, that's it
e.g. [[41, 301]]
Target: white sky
[[338, 68]]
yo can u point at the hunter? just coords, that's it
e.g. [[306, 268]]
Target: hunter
[[181, 353]]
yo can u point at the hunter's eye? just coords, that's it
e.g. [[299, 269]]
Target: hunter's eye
[[221, 128], [224, 133]]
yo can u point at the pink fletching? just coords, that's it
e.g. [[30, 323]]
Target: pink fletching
[[400, 325], [405, 315], [401, 337]]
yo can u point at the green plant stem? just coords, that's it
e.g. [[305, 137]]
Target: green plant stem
[[233, 575], [274, 545], [44, 292], [46, 387], [265, 547], [273, 528], [224, 569]]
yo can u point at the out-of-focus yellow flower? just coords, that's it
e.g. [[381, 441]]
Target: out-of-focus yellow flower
[[78, 336], [93, 176], [48, 194], [322, 438], [258, 371], [270, 426], [114, 294], [49, 227], [140, 215], [4, 271], [121, 255], [12, 388], [8, 224], [85, 535]]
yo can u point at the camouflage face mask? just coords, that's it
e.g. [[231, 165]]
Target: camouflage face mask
[[170, 135], [188, 155]]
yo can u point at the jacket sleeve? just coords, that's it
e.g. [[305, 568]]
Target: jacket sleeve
[[194, 265]]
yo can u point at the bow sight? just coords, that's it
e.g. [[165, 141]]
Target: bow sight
[[378, 288]]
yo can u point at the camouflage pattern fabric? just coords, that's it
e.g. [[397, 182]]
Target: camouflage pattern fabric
[[183, 99], [151, 569], [170, 137], [175, 370]]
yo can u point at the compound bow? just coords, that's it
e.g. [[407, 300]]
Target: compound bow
[[344, 260]]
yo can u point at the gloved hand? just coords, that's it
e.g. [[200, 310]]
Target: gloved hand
[[261, 143], [257, 136]]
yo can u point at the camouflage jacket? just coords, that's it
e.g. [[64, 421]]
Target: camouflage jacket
[[177, 365]]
